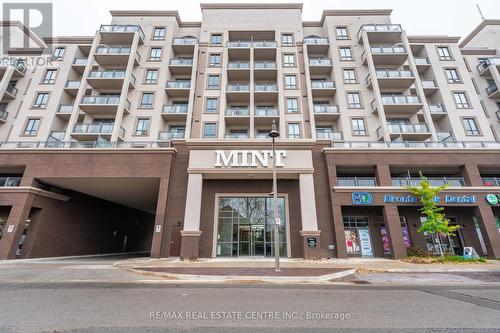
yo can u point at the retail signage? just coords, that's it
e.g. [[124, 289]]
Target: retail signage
[[248, 158], [448, 199], [362, 198], [10, 228], [312, 241], [493, 199]]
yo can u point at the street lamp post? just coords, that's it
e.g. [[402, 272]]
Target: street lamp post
[[273, 135]]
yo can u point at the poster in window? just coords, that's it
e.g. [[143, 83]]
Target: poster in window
[[351, 242], [385, 240], [365, 242]]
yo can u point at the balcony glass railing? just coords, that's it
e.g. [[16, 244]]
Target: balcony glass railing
[[10, 181], [264, 44], [3, 114], [11, 89], [236, 136], [429, 84], [181, 62], [380, 28], [165, 135], [239, 44], [363, 181], [113, 50], [264, 64], [238, 64], [484, 64], [322, 84], [122, 28], [72, 85], [316, 41], [266, 112], [421, 61], [491, 181], [407, 128], [325, 108], [178, 84], [238, 87], [435, 181], [336, 136], [185, 41], [65, 109], [320, 62], [266, 87], [102, 99], [383, 73], [491, 89], [237, 112], [389, 49], [437, 109], [402, 99], [108, 74], [80, 62], [418, 144], [94, 128], [175, 108]]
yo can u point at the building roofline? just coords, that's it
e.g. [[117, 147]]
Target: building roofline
[[478, 51], [251, 6], [147, 13], [69, 40], [474, 32], [27, 31], [433, 39], [346, 12]]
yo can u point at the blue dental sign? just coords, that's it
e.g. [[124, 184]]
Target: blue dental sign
[[362, 198], [365, 198]]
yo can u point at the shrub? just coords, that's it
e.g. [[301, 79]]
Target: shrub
[[415, 251]]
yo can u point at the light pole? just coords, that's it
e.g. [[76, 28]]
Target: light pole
[[273, 135]]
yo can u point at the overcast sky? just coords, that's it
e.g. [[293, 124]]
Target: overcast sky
[[446, 17]]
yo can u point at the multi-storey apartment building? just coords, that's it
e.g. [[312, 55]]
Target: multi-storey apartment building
[[152, 135]]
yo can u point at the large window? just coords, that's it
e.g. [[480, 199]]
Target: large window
[[147, 100], [345, 54], [287, 39], [41, 100], [215, 60], [349, 75], [470, 126], [444, 53], [216, 39], [31, 128], [353, 100], [342, 33], [50, 76], [212, 105], [142, 127], [294, 131], [289, 60], [358, 126], [210, 130], [159, 33], [452, 75], [461, 100], [292, 105], [291, 81], [155, 54], [213, 82], [58, 53], [151, 76]]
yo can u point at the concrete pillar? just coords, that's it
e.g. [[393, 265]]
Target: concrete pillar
[[308, 216], [487, 224], [472, 176], [393, 225], [383, 173], [191, 232], [19, 213], [158, 245], [338, 226]]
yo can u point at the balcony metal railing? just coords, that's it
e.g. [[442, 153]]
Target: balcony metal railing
[[379, 28], [175, 108], [401, 99], [104, 100], [265, 44], [72, 84], [421, 61], [3, 114], [238, 64], [185, 41], [108, 74], [94, 128], [113, 50], [407, 128], [334, 136], [19, 64], [388, 49], [437, 109], [435, 181], [265, 64], [316, 41], [325, 108], [237, 112], [81, 144], [238, 87], [418, 144], [484, 64], [392, 73], [491, 89], [320, 84], [122, 28], [266, 112], [266, 87], [363, 181], [181, 62], [491, 181], [11, 89], [178, 84], [165, 135], [429, 84], [236, 136], [65, 109], [10, 181], [80, 61], [320, 62], [239, 44]]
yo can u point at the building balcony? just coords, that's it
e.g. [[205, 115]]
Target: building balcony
[[264, 116], [455, 145], [175, 112], [422, 64], [317, 45], [437, 111], [264, 44], [392, 79], [484, 66], [178, 88], [387, 55], [406, 131], [174, 135], [238, 65], [239, 44], [266, 92], [114, 56], [361, 181], [18, 64], [79, 64], [238, 92], [238, 70], [491, 181], [64, 111], [326, 111], [109, 79], [184, 45], [120, 34], [103, 104], [265, 70], [234, 136], [403, 104], [334, 136], [10, 92], [320, 66], [3, 115], [435, 181], [72, 87], [237, 116], [322, 88], [91, 131], [429, 87], [10, 181], [381, 33], [180, 66], [492, 91]]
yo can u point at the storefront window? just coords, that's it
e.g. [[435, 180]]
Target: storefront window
[[480, 235], [357, 236], [405, 231], [3, 220]]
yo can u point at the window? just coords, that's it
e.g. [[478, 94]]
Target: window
[[58, 53], [151, 76], [358, 126], [216, 40], [294, 131], [147, 100], [213, 82], [470, 126], [290, 81], [214, 60], [345, 54], [452, 75], [212, 105], [50, 76], [349, 75], [461, 100], [292, 105], [353, 100], [142, 126], [155, 54], [159, 33], [444, 53], [289, 60], [41, 100], [287, 40], [342, 33], [210, 130], [32, 126]]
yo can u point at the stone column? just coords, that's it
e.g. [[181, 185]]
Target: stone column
[[191, 232], [472, 175], [383, 175], [158, 243], [308, 216], [338, 225], [487, 224], [393, 225]]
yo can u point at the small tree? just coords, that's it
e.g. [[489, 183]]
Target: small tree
[[435, 222]]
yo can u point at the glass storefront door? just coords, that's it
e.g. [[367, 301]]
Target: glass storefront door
[[245, 227], [357, 236]]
